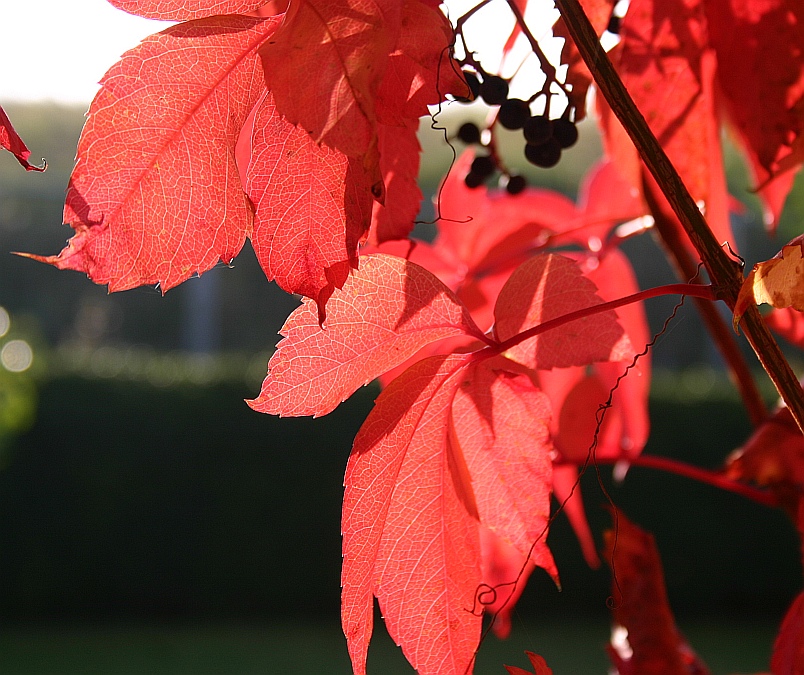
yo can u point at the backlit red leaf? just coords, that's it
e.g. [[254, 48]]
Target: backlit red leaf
[[11, 141], [420, 70], [540, 666], [489, 232], [578, 75], [485, 228], [669, 69], [548, 286], [645, 640], [605, 199], [789, 323], [505, 572], [761, 42], [313, 205], [324, 67], [773, 457], [501, 423], [184, 10], [385, 312], [408, 534], [155, 195], [788, 651], [399, 164], [614, 277]]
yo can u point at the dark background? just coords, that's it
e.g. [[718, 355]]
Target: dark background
[[139, 489]]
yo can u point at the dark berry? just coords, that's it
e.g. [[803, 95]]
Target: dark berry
[[538, 129], [494, 90], [514, 113], [473, 180], [544, 155], [614, 24], [565, 132], [483, 166], [515, 184], [469, 133], [474, 87]]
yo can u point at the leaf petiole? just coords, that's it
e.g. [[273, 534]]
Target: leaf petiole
[[713, 478], [704, 291]]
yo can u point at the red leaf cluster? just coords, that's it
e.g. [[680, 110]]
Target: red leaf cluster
[[448, 485], [294, 125], [483, 235], [689, 65], [214, 135]]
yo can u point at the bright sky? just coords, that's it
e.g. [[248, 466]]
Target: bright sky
[[59, 49]]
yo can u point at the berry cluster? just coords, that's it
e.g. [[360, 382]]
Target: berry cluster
[[545, 138]]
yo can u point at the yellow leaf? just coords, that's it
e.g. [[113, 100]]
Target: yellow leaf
[[778, 282]]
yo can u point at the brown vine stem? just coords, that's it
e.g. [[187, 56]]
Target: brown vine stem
[[724, 272], [721, 333]]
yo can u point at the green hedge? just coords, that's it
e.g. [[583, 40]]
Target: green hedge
[[126, 499]]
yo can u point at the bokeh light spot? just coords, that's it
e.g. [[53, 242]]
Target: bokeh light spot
[[16, 356], [5, 321]]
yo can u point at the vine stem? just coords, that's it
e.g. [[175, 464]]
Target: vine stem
[[713, 478], [725, 273], [721, 333], [694, 290]]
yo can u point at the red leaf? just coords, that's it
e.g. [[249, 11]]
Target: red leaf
[[386, 311], [544, 288], [420, 70], [342, 50], [505, 572], [313, 205], [615, 278], [645, 640], [155, 195], [488, 232], [576, 395], [501, 423], [761, 41], [184, 10], [399, 164], [661, 62], [789, 323], [788, 650], [567, 493], [669, 69], [540, 666], [11, 141], [773, 457], [452, 441], [605, 199], [578, 75], [408, 534], [485, 229]]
